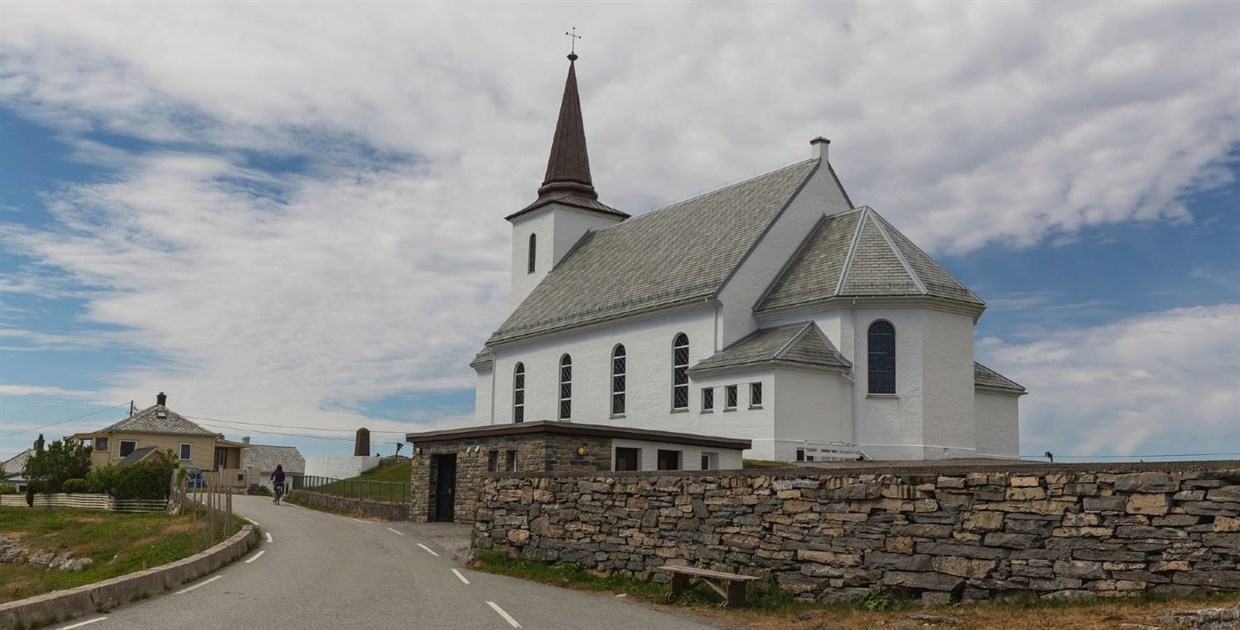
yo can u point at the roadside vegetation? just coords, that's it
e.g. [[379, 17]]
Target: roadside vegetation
[[389, 482], [775, 609], [117, 544]]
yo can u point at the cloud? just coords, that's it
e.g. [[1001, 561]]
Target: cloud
[[304, 203], [1162, 383], [37, 390]]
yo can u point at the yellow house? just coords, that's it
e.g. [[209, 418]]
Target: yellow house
[[159, 428]]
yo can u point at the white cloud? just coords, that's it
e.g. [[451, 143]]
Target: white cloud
[[379, 264], [1163, 383], [37, 390]]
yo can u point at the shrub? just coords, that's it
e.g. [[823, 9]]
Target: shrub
[[61, 460], [147, 479], [8, 488], [75, 485]]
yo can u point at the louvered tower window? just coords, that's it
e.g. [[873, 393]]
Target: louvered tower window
[[566, 387], [532, 252], [518, 393], [618, 369], [882, 357], [680, 372]]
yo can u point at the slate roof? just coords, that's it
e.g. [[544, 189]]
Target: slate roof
[[158, 419], [265, 458], [137, 455], [17, 463], [484, 358], [801, 345], [677, 255], [990, 379], [859, 254]]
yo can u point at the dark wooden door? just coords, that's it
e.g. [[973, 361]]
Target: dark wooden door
[[445, 488]]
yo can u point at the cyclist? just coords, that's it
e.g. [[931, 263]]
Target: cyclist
[[277, 483]]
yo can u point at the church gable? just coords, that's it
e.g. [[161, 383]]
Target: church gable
[[799, 345], [677, 255], [875, 269]]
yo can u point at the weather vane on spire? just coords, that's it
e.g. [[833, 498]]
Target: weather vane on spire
[[572, 53]]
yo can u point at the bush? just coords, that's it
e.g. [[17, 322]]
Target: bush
[[61, 460], [147, 479], [8, 488], [75, 485]]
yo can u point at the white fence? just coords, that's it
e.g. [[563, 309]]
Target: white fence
[[85, 501]]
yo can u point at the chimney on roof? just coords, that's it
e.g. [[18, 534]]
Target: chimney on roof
[[161, 399], [246, 440], [819, 148]]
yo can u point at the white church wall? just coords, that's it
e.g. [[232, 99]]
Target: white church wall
[[820, 195], [539, 223], [746, 421], [648, 345], [570, 224], [998, 425], [947, 422], [690, 456], [813, 410], [890, 427], [483, 393]]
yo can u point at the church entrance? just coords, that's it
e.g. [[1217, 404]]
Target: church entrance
[[445, 487]]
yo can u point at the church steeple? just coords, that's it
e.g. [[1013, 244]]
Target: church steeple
[[568, 180]]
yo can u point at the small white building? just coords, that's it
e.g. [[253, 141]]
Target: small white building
[[773, 310]]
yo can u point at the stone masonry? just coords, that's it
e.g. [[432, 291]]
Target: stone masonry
[[940, 533]]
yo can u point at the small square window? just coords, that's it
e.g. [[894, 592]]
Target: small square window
[[669, 460], [493, 461], [708, 399], [730, 403], [510, 461], [127, 447], [101, 444], [628, 458], [710, 461], [755, 395], [184, 452]]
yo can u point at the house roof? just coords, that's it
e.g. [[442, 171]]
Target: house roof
[[800, 345], [484, 358], [568, 179], [17, 463], [574, 428], [987, 378], [137, 455], [158, 419], [678, 255], [265, 458], [859, 254]]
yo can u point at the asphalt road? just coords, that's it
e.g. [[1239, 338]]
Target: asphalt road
[[326, 571]]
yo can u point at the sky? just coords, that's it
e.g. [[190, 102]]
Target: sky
[[289, 217]]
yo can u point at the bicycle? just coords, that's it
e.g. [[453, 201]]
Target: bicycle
[[278, 491]]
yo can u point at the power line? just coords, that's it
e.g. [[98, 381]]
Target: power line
[[63, 421], [280, 426]]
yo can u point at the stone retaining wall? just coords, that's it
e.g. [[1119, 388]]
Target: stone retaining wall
[[377, 509], [940, 533]]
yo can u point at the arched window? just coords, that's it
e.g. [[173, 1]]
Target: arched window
[[619, 367], [532, 252], [518, 393], [680, 372], [566, 387], [882, 354]]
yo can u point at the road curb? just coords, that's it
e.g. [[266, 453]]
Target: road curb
[[87, 599]]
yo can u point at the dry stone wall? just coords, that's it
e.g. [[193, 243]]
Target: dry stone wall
[[943, 535]]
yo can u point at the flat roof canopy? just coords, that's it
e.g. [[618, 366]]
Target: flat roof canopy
[[575, 428]]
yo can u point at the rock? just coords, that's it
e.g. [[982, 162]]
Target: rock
[[963, 567], [1226, 493], [1105, 504], [927, 581], [1204, 619], [77, 564], [1226, 524], [934, 620], [1080, 569], [1145, 482], [1147, 504]]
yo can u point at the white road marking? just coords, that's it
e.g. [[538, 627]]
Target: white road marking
[[428, 549], [361, 521], [268, 536], [85, 623], [395, 532], [200, 584], [507, 617], [252, 521], [458, 574], [256, 556]]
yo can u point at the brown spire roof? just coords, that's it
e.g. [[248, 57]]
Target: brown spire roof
[[568, 167]]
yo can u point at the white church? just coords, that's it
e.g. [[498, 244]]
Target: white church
[[773, 310]]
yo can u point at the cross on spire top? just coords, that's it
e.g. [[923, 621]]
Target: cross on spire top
[[572, 54]]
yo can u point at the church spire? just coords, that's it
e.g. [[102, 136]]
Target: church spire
[[568, 180], [568, 167]]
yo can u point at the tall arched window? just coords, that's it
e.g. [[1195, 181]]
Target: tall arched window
[[518, 393], [532, 252], [619, 368], [566, 387], [680, 372], [882, 356]]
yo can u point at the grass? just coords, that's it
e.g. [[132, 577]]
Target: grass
[[400, 472], [384, 487], [118, 543], [775, 609]]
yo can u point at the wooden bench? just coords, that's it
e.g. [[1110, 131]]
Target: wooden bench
[[730, 586]]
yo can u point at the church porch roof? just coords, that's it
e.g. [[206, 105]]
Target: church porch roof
[[986, 378], [802, 344]]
